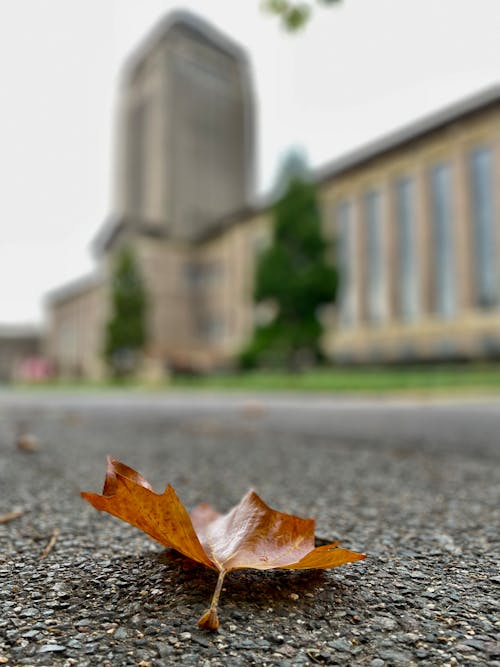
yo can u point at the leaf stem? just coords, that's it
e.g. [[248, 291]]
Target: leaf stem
[[210, 619]]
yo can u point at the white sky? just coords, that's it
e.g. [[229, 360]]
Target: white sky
[[356, 72]]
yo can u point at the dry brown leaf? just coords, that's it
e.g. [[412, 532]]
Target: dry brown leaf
[[27, 442], [251, 535]]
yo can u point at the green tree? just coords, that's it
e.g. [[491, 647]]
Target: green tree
[[126, 329], [293, 278], [293, 14]]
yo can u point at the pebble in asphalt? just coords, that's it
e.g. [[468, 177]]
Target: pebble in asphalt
[[425, 512]]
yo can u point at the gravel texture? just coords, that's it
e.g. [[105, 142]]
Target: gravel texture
[[415, 487]]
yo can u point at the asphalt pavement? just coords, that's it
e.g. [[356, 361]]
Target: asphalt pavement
[[413, 484]]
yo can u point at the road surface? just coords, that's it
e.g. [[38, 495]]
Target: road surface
[[415, 485]]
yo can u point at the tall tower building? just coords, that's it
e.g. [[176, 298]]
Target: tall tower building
[[185, 154]]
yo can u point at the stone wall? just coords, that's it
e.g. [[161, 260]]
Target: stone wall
[[185, 138], [75, 336], [17, 345], [470, 328]]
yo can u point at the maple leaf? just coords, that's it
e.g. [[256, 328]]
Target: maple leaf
[[251, 535]]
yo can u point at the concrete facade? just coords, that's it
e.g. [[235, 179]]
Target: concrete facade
[[75, 334], [186, 137], [439, 296], [184, 164], [18, 344], [413, 221]]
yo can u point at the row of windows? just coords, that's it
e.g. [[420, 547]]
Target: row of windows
[[441, 191]]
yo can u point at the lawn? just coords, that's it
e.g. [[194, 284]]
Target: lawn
[[432, 379], [465, 379]]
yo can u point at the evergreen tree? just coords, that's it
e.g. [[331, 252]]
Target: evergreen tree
[[126, 329], [293, 275]]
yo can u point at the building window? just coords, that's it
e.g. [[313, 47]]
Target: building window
[[483, 226], [203, 275], [407, 252], [212, 328], [137, 159], [374, 245], [346, 258], [193, 273], [441, 192]]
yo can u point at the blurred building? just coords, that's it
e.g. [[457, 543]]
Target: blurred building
[[185, 161], [20, 349], [186, 139], [417, 218], [413, 221]]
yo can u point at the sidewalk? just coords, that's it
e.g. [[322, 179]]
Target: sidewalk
[[424, 510]]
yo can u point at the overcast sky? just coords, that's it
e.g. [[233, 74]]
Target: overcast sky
[[356, 72]]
